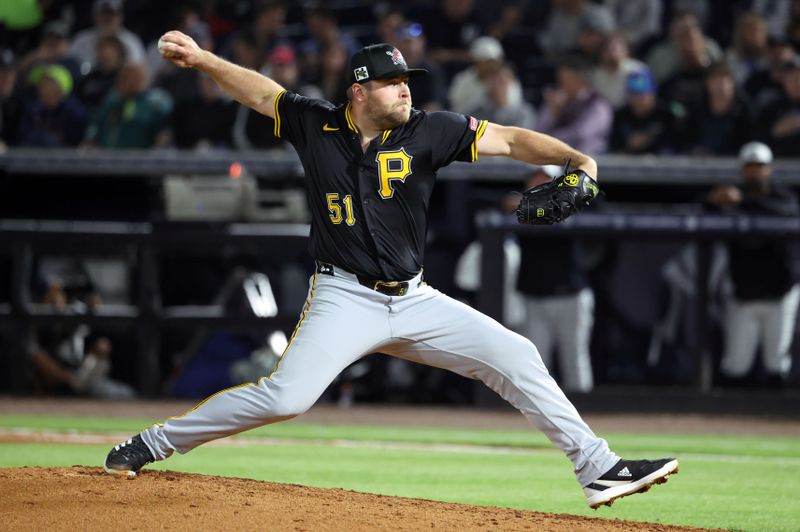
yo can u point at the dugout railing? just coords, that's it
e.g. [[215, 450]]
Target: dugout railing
[[20, 237]]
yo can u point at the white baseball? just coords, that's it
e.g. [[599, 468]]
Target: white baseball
[[167, 54]]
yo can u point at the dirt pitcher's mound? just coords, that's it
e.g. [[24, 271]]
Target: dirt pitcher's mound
[[84, 498]]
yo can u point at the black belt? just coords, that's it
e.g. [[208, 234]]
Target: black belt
[[389, 288]]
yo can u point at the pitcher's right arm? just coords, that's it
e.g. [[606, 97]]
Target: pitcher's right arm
[[246, 86]]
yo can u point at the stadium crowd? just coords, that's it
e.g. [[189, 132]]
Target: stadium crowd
[[635, 76], [689, 77]]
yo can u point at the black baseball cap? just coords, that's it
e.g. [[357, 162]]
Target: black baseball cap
[[380, 61]]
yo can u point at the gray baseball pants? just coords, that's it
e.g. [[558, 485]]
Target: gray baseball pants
[[343, 321]]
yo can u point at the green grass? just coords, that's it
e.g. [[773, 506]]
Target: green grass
[[740, 483], [773, 447]]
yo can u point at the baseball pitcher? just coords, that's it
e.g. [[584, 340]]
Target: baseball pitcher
[[371, 165]]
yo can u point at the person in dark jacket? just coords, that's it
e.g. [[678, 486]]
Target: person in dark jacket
[[54, 118], [782, 117], [558, 300], [645, 124], [765, 288], [205, 121], [722, 123]]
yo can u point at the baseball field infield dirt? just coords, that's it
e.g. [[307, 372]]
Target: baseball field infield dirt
[[85, 498]]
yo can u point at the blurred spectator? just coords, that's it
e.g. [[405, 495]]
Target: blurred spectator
[[638, 20], [686, 85], [498, 107], [390, 21], [10, 101], [644, 124], [284, 67], [54, 118], [516, 29], [70, 359], [781, 119], [686, 43], [427, 92], [723, 121], [245, 52], [267, 28], [766, 86], [574, 112], [468, 90], [205, 121], [559, 302], [766, 293], [609, 76], [53, 49], [96, 85], [254, 130], [19, 22], [699, 9], [131, 116], [333, 76], [324, 33], [592, 33], [457, 26], [750, 47], [269, 24], [567, 19], [108, 20], [467, 274], [509, 20], [225, 16], [793, 25], [775, 13]]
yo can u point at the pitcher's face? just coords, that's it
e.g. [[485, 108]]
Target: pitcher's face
[[388, 102]]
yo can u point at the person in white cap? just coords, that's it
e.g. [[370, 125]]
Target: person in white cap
[[468, 91], [108, 20], [766, 292]]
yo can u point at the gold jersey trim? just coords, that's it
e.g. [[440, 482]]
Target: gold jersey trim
[[478, 134], [349, 118], [277, 114]]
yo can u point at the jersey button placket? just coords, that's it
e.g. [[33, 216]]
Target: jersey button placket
[[364, 173]]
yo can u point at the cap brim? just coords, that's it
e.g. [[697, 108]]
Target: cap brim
[[411, 73]]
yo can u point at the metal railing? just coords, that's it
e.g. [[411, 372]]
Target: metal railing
[[281, 164], [702, 229], [146, 316]]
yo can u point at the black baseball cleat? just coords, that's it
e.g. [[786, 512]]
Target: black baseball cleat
[[628, 477], [127, 458]]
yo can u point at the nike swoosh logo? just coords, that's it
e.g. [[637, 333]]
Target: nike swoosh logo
[[326, 127]]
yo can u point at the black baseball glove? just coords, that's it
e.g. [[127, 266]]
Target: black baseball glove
[[557, 200]]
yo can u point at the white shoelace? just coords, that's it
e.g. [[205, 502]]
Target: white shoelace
[[123, 444]]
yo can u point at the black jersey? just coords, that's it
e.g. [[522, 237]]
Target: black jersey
[[370, 208]]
